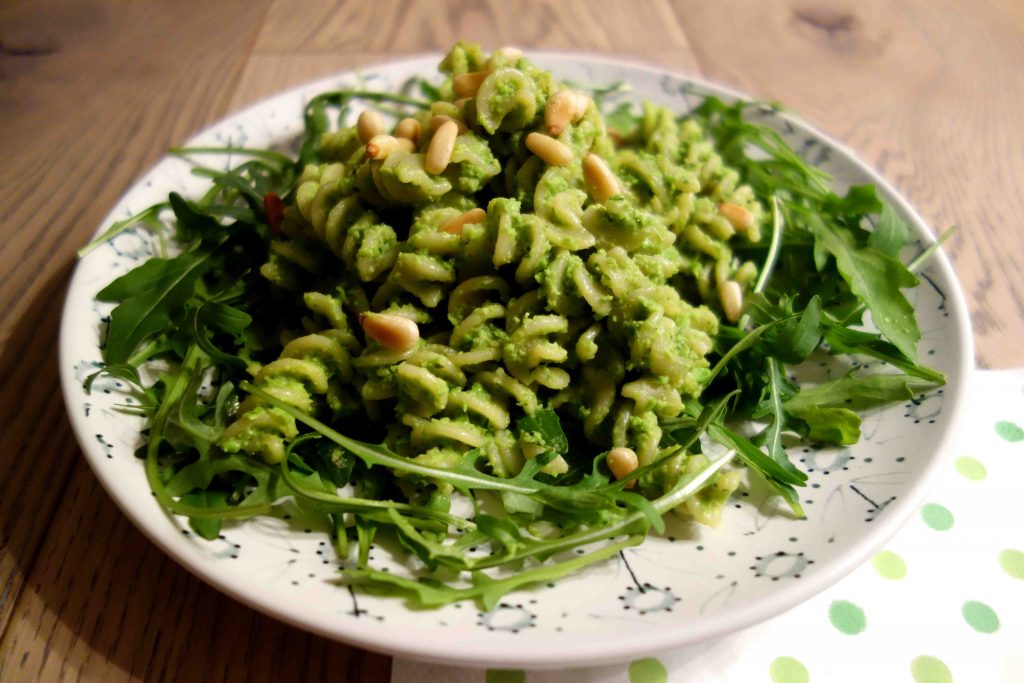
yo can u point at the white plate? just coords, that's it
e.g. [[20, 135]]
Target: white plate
[[698, 584]]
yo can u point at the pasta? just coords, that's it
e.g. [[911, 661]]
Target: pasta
[[532, 288]]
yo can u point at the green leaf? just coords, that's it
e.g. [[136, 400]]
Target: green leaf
[[782, 479], [148, 218], [843, 339], [153, 297], [828, 409], [424, 592], [224, 318], [206, 527], [193, 224], [215, 316], [877, 279], [755, 458], [859, 391], [860, 200], [771, 437], [544, 428], [793, 340], [832, 425], [890, 233]]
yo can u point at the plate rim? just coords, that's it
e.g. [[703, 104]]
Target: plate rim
[[386, 640]]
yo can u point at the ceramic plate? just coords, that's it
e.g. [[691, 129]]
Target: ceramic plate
[[691, 584]]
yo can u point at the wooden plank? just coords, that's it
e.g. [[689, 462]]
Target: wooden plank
[[397, 27], [930, 97], [305, 40]]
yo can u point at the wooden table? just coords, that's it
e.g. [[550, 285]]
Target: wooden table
[[92, 93]]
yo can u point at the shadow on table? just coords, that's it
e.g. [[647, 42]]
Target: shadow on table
[[98, 598]]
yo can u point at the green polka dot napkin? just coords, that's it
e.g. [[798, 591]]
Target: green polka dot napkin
[[943, 602]]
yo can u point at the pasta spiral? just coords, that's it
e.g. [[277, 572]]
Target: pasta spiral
[[530, 291]]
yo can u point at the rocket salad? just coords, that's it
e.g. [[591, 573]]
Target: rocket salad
[[244, 287]]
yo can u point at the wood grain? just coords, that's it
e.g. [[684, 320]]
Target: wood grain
[[81, 118], [931, 98], [305, 40], [93, 92]]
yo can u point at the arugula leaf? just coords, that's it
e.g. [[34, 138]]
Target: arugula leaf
[[859, 201], [543, 427], [794, 339], [153, 296], [859, 391], [828, 409], [192, 224], [771, 437], [424, 592], [206, 527], [877, 279], [148, 218], [843, 339], [831, 425], [780, 478], [890, 233], [214, 316]]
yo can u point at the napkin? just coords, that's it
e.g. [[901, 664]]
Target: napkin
[[943, 602]]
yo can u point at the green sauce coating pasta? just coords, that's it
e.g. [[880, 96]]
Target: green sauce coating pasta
[[601, 308]]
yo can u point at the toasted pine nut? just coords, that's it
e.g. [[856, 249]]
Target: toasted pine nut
[[731, 295], [550, 150], [580, 104], [601, 182], [454, 225], [506, 55], [369, 125], [510, 52], [409, 129], [563, 108], [739, 217], [622, 461], [439, 154], [438, 120], [466, 85], [558, 111], [380, 146], [391, 331]]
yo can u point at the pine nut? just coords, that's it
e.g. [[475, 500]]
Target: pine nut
[[622, 462], [739, 217], [454, 225], [439, 154], [550, 150], [563, 108], [409, 129], [438, 120], [558, 111], [504, 56], [601, 182], [380, 146], [466, 85], [369, 125], [390, 331], [510, 52], [731, 295]]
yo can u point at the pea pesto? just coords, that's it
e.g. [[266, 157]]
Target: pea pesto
[[500, 311]]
